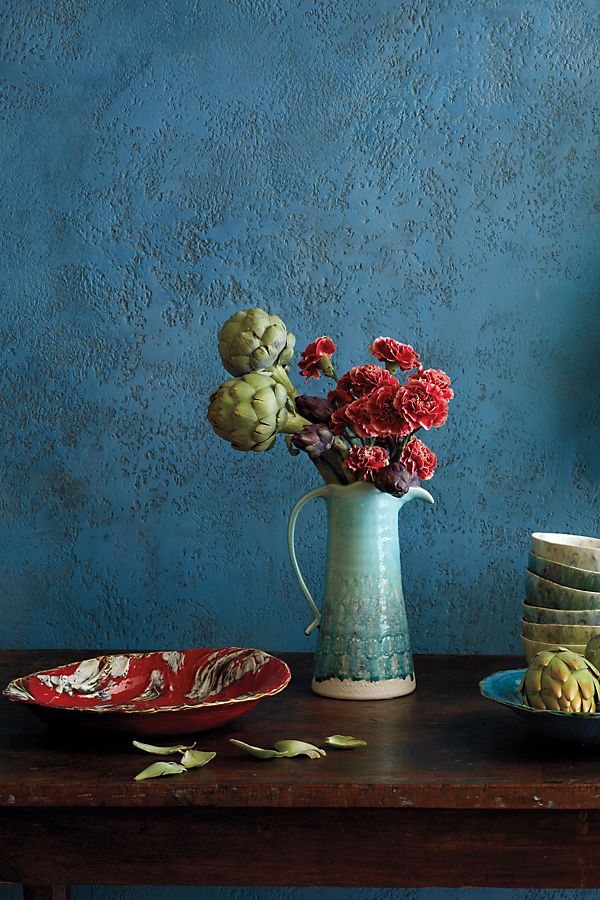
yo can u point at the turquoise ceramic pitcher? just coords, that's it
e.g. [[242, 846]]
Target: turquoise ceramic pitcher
[[364, 650]]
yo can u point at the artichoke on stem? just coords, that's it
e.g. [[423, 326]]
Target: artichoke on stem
[[314, 439], [394, 479], [315, 409], [252, 340], [251, 410]]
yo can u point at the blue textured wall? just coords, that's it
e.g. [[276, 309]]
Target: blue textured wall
[[423, 170]]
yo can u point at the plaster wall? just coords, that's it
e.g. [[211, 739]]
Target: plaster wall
[[421, 170]]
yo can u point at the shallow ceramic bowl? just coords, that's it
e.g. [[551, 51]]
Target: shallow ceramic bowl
[[568, 549], [532, 648], [171, 692], [561, 616], [569, 576], [578, 728], [541, 592], [559, 634]]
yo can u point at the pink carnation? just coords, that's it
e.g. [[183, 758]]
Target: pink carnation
[[359, 417], [384, 417], [364, 379], [355, 416], [422, 404], [367, 461], [418, 459], [388, 350], [434, 376]]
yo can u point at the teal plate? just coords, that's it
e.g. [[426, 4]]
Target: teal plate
[[503, 688]]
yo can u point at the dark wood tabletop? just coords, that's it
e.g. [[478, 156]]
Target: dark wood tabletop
[[452, 790]]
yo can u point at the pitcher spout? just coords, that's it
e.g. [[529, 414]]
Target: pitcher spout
[[417, 493]]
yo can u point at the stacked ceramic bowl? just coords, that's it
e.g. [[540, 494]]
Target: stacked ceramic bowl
[[562, 608]]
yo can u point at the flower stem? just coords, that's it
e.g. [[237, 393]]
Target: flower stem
[[327, 473], [401, 445], [279, 374], [294, 423], [334, 459]]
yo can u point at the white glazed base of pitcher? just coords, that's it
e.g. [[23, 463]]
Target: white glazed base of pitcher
[[347, 689]]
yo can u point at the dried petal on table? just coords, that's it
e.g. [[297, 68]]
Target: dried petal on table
[[299, 748], [257, 752], [191, 759], [155, 770], [163, 751]]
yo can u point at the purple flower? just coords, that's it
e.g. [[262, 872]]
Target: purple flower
[[315, 409], [395, 479], [313, 439]]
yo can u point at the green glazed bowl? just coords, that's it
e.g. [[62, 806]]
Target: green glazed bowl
[[532, 648], [543, 616], [569, 576], [541, 592], [568, 549], [551, 726], [559, 634]]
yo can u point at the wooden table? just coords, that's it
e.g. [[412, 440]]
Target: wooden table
[[451, 791]]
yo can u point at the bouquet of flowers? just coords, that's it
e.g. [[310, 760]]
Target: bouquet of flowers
[[366, 426]]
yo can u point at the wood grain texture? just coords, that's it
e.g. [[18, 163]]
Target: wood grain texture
[[307, 847], [442, 747], [451, 791]]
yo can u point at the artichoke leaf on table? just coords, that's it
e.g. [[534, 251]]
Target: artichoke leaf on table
[[159, 750]]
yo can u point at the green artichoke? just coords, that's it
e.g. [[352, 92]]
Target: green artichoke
[[250, 411], [252, 340], [561, 680]]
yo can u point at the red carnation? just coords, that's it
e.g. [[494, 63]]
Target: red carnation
[[383, 415], [344, 383], [357, 413], [355, 416], [367, 460], [365, 379], [388, 350], [312, 363], [418, 459], [434, 376], [422, 404], [339, 420], [339, 396]]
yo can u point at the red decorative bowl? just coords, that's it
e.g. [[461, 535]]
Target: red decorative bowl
[[170, 692]]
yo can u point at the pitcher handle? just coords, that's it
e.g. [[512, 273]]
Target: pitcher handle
[[318, 492]]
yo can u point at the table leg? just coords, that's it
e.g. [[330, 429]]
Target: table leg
[[46, 892]]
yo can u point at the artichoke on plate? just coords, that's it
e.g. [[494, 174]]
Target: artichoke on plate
[[251, 410], [252, 340], [561, 680]]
